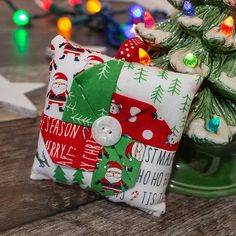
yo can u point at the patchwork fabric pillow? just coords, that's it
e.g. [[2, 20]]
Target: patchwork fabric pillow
[[113, 128]]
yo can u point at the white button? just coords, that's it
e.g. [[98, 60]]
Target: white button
[[106, 131]]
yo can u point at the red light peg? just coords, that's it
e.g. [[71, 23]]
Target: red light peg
[[227, 26], [44, 4], [129, 49], [149, 21], [74, 2], [136, 21]]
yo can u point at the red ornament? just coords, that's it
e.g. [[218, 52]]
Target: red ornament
[[74, 2], [227, 26], [129, 49], [149, 21]]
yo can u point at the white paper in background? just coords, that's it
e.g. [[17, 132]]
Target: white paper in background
[[13, 96], [151, 5]]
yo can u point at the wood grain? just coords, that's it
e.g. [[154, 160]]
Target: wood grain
[[21, 199], [186, 216]]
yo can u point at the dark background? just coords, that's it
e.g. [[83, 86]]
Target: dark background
[[38, 36]]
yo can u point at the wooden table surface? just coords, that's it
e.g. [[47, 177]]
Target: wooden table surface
[[45, 208]]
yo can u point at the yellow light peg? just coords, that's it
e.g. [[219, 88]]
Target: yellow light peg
[[66, 35], [93, 6], [144, 57], [64, 24]]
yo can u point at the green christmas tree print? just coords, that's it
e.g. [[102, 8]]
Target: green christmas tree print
[[71, 106], [186, 103], [102, 112], [59, 175], [175, 131], [141, 75], [183, 122], [78, 176], [174, 87], [157, 94], [81, 120], [163, 74], [88, 88], [129, 66], [104, 71], [71, 103]]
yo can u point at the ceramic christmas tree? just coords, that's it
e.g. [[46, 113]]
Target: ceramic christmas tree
[[201, 40]]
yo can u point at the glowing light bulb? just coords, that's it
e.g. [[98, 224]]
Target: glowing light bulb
[[64, 24], [74, 2], [128, 30], [213, 125], [191, 60], [21, 18], [21, 41], [93, 6], [227, 26], [149, 21], [44, 4], [66, 35], [136, 11], [144, 57], [188, 8]]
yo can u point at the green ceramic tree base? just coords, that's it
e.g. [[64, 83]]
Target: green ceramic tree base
[[205, 170]]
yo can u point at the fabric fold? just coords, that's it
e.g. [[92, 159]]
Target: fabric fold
[[91, 92]]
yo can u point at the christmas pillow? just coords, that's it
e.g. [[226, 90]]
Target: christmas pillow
[[68, 60], [113, 128]]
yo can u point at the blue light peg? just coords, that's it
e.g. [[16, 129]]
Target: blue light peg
[[136, 11], [128, 30], [188, 8], [213, 125]]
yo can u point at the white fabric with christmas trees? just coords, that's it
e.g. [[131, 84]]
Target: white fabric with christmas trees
[[151, 105]]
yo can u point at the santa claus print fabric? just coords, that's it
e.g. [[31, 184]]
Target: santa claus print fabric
[[68, 60], [111, 126]]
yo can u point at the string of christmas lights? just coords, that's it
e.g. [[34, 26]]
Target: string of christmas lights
[[226, 28], [92, 13]]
